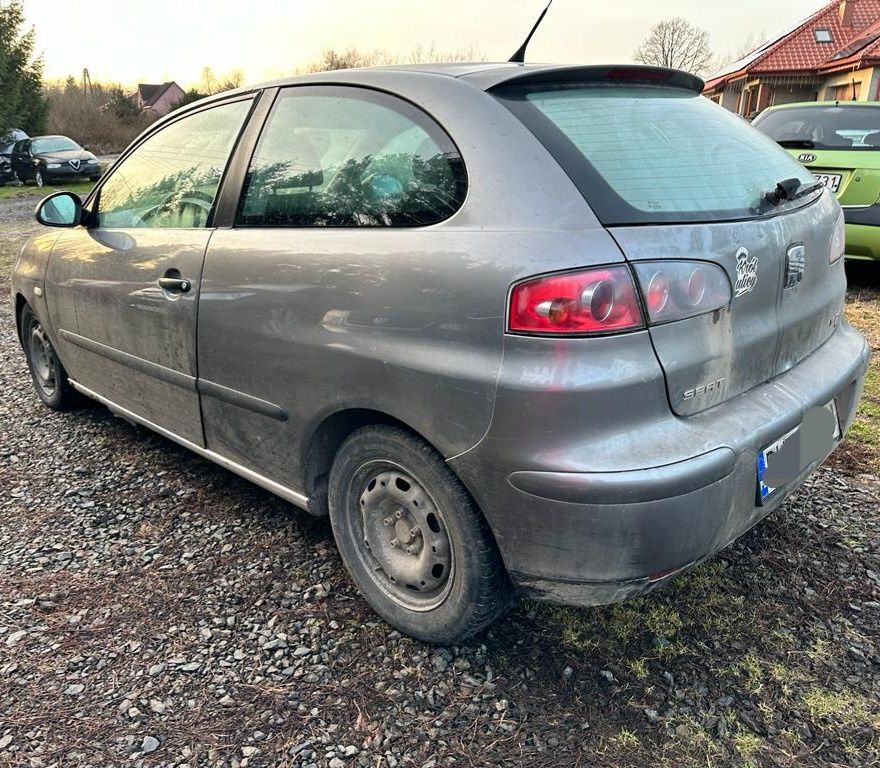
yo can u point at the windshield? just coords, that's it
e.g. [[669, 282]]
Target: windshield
[[646, 154], [823, 127], [53, 144]]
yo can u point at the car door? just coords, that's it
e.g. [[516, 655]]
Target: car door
[[22, 165], [123, 290]]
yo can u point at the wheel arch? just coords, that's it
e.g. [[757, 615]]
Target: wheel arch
[[326, 439], [20, 304]]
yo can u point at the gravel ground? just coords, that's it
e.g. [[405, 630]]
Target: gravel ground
[[158, 611]]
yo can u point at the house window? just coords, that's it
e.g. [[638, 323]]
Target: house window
[[823, 36]]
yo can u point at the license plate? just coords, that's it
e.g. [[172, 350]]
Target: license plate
[[787, 457], [830, 180]]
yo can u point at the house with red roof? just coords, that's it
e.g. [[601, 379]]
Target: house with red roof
[[834, 55]]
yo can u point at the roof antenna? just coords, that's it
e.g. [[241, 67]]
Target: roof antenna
[[520, 56]]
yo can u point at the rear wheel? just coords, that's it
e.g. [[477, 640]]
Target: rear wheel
[[49, 376], [412, 539]]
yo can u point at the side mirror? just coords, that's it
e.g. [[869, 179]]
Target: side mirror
[[61, 209]]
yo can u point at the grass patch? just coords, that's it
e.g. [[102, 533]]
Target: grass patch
[[8, 192], [861, 448], [626, 739], [844, 709], [748, 745]]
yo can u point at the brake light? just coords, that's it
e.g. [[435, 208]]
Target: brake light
[[593, 301], [675, 290], [639, 74], [838, 240]]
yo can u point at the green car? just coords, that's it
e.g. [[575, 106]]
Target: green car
[[840, 144]]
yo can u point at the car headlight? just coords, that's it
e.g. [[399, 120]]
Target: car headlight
[[53, 165]]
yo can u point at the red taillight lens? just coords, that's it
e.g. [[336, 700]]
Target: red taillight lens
[[593, 301], [657, 293]]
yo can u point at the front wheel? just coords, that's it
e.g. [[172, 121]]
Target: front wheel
[[412, 538], [38, 178], [49, 376]]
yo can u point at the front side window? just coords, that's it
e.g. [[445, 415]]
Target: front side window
[[171, 180], [649, 154], [349, 157]]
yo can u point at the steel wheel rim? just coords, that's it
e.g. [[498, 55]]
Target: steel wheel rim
[[43, 362], [401, 536], [38, 177]]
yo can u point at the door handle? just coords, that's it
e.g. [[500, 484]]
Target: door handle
[[175, 284]]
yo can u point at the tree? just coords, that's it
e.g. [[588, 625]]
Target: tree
[[122, 106], [22, 104], [188, 98], [749, 45], [678, 44], [352, 58]]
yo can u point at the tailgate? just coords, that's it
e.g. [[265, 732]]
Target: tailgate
[[768, 327]]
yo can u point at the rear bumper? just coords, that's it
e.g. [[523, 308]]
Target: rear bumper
[[595, 537], [862, 232]]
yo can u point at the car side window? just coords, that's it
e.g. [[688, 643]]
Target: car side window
[[171, 179], [333, 156]]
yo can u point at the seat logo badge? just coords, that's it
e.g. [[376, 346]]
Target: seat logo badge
[[746, 272], [74, 164], [806, 157], [704, 389], [795, 261]]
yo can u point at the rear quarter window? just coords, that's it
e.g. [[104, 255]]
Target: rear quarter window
[[333, 156], [648, 154]]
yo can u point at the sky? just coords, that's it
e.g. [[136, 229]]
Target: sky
[[131, 41]]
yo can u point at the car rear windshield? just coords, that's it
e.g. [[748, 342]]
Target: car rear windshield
[[823, 127], [650, 154]]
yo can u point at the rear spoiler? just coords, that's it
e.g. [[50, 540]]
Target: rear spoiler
[[561, 75]]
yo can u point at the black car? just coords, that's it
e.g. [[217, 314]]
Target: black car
[[51, 158], [6, 174], [7, 142]]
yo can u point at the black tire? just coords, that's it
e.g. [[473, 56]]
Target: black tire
[[47, 372], [383, 474]]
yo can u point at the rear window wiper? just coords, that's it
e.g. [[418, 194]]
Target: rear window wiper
[[791, 189]]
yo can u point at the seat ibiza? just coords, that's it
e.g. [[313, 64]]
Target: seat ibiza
[[565, 331]]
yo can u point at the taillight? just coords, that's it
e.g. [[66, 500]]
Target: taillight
[[593, 301], [674, 290], [838, 240]]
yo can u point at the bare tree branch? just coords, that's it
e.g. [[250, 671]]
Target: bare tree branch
[[678, 44]]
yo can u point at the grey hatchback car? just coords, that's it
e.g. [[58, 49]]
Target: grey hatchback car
[[559, 330]]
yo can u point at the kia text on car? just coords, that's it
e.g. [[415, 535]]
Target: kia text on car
[[566, 329]]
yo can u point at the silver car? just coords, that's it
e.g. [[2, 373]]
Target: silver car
[[565, 331]]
